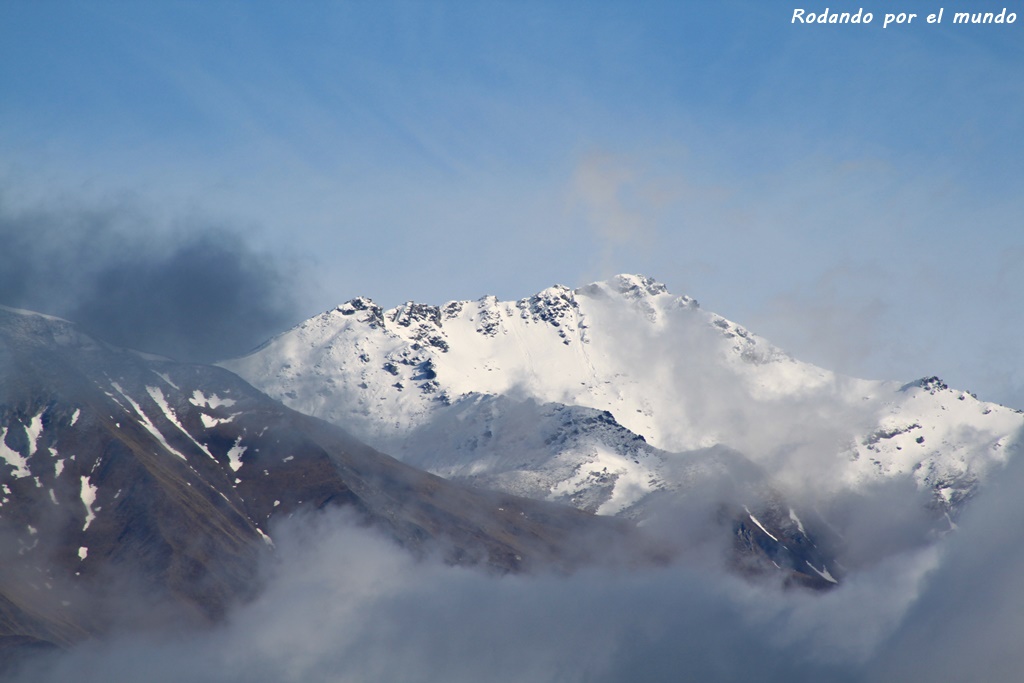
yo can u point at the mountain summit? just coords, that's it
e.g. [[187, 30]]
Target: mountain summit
[[605, 395]]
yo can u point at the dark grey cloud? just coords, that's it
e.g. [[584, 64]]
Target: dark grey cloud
[[203, 299], [188, 288]]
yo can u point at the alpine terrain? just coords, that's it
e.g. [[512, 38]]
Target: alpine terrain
[[618, 393], [607, 423]]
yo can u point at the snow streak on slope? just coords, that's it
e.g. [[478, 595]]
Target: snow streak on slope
[[420, 381]]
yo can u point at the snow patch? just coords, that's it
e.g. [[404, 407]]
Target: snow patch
[[210, 422], [34, 430], [756, 521], [13, 458], [266, 539], [201, 400], [88, 495], [149, 426], [235, 455], [823, 572], [158, 397]]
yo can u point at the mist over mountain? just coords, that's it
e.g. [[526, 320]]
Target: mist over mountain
[[752, 475]]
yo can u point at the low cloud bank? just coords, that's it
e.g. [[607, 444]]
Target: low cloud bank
[[344, 604]]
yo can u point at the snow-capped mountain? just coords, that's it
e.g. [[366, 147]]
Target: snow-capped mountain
[[604, 395], [119, 470]]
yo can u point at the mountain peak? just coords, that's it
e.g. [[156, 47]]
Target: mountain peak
[[557, 291], [637, 286], [372, 313], [359, 303], [411, 312]]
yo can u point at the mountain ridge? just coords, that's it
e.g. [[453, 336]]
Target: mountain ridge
[[676, 377]]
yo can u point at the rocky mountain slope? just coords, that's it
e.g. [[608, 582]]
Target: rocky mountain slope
[[131, 485], [603, 396]]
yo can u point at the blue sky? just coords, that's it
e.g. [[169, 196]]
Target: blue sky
[[851, 192]]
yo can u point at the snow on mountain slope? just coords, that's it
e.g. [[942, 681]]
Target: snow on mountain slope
[[424, 383], [538, 450]]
